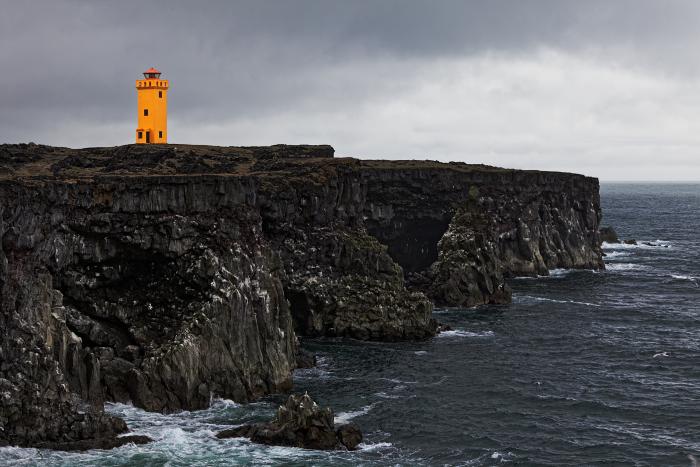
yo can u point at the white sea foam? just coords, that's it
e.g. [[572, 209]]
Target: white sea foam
[[682, 277], [559, 272], [626, 267], [345, 417], [18, 455], [554, 300], [501, 457], [421, 352], [398, 381], [616, 254], [374, 446], [463, 333], [385, 395], [225, 403], [641, 244]]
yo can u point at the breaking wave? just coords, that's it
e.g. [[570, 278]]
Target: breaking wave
[[641, 244], [462, 333]]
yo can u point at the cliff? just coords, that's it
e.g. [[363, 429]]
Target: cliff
[[165, 275]]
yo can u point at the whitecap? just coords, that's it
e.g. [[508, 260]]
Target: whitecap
[[641, 244], [421, 352], [218, 402], [17, 454], [554, 274], [384, 395], [312, 373], [553, 300], [463, 333], [345, 417], [397, 381], [502, 457], [616, 254], [559, 272], [374, 446], [626, 267], [682, 277]]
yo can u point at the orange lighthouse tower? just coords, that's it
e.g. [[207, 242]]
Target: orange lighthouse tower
[[152, 96]]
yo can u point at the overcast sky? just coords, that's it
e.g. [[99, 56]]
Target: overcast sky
[[609, 88]]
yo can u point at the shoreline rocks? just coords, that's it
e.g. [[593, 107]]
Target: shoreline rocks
[[301, 423], [97, 443], [608, 235]]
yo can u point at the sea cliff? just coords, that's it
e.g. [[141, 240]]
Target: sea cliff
[[165, 275]]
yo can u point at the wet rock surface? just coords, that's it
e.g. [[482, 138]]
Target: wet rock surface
[[301, 423], [167, 274], [608, 235], [97, 443]]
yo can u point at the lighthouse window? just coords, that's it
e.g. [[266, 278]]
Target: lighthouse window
[[160, 93], [140, 134], [145, 112], [160, 134]]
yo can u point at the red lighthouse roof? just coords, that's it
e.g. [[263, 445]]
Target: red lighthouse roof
[[151, 70]]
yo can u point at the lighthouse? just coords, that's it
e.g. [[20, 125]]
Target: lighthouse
[[152, 97]]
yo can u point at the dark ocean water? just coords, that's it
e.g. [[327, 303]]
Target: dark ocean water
[[583, 368]]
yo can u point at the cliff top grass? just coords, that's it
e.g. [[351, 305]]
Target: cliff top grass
[[312, 163]]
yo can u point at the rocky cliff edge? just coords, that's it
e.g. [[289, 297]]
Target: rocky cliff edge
[[165, 275]]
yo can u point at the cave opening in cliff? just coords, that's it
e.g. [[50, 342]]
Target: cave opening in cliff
[[412, 243], [300, 310]]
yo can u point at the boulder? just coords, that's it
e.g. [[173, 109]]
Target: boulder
[[608, 235], [349, 435], [301, 423], [305, 359], [97, 443]]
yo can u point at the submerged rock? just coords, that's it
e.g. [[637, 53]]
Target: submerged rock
[[301, 423], [349, 435], [608, 235], [305, 359], [98, 443]]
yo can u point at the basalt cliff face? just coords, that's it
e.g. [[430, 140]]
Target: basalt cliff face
[[457, 230], [166, 275]]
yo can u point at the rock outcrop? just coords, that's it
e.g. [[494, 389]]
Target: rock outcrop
[[301, 423], [458, 230], [608, 235], [165, 275]]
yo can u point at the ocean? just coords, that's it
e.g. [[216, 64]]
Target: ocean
[[583, 368]]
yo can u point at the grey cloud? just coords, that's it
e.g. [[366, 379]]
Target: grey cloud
[[68, 66]]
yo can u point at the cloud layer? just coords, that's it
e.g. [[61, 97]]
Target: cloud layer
[[610, 89]]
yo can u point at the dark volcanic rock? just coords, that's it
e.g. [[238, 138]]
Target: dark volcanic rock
[[458, 230], [107, 294], [166, 274], [98, 443], [608, 235], [305, 359], [349, 435], [468, 270], [299, 423]]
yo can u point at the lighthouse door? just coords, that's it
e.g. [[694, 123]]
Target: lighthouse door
[[148, 137]]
